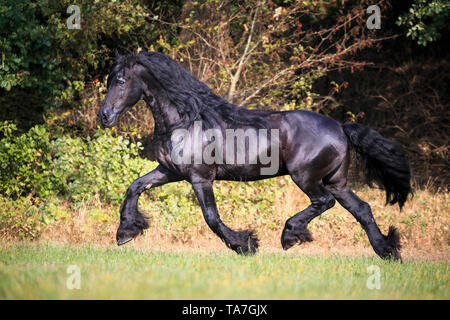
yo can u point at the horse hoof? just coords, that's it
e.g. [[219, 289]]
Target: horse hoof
[[247, 244], [288, 240], [124, 236], [123, 241], [389, 247]]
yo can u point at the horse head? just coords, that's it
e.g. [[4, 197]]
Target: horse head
[[124, 90]]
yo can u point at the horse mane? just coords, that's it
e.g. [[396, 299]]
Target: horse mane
[[193, 98]]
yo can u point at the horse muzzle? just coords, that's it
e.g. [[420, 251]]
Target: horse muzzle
[[107, 119]]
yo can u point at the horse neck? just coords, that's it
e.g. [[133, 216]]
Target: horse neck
[[165, 115]]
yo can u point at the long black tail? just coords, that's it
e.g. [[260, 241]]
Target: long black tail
[[382, 162]]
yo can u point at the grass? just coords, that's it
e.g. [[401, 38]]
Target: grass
[[39, 271]]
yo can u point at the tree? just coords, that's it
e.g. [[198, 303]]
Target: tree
[[265, 51], [40, 52], [425, 20]]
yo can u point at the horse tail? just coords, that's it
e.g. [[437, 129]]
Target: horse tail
[[381, 161]]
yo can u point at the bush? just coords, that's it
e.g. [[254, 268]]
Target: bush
[[101, 167], [38, 164], [40, 52], [25, 161], [26, 217]]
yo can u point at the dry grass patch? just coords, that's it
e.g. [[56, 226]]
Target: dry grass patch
[[423, 224]]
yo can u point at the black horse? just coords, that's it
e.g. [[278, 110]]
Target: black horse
[[313, 149]]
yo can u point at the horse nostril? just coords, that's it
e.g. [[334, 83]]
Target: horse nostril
[[104, 116]]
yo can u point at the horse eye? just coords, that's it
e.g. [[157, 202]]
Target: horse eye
[[121, 80]]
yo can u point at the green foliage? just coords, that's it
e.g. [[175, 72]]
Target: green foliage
[[25, 161], [174, 205], [425, 20], [40, 52], [37, 164], [100, 167], [26, 217]]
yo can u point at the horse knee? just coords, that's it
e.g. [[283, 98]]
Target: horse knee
[[136, 187]]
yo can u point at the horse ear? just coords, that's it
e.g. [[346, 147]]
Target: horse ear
[[133, 58], [116, 54]]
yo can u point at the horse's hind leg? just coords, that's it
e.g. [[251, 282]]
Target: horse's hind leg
[[385, 246], [295, 229]]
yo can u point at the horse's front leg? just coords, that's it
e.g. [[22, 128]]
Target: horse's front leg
[[243, 242], [132, 222]]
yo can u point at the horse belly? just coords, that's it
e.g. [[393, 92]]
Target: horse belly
[[248, 172]]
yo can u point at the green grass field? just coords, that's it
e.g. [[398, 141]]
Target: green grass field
[[39, 271]]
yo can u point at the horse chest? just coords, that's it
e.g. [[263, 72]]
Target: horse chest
[[162, 155], [164, 158]]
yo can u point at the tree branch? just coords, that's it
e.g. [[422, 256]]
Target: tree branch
[[235, 78]]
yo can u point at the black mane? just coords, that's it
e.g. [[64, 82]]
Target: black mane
[[192, 98]]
